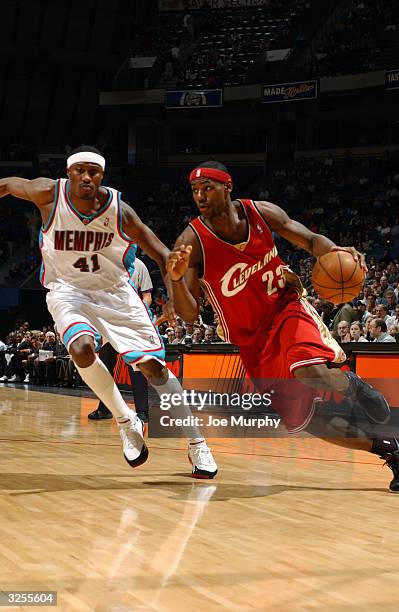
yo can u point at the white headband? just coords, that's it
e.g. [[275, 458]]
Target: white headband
[[86, 157]]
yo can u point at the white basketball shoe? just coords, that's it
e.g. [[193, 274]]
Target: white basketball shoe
[[135, 450], [202, 461]]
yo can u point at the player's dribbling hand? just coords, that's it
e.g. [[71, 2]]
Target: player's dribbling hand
[[178, 261], [355, 254]]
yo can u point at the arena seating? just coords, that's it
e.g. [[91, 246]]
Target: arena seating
[[364, 41]]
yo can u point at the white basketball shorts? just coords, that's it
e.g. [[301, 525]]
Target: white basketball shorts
[[118, 317]]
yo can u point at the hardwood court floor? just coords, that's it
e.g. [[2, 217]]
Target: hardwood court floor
[[287, 524]]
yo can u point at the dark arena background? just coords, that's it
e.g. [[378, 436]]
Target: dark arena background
[[299, 99]]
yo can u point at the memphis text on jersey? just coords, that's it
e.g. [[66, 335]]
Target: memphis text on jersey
[[75, 240]]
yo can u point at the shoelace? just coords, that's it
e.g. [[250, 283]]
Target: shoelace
[[204, 455], [125, 435], [126, 440]]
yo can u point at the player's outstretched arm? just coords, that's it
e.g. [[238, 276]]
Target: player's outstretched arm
[[301, 236], [182, 267], [40, 191]]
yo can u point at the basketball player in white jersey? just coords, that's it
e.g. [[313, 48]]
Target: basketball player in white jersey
[[88, 240]]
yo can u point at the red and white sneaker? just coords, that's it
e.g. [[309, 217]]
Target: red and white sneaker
[[202, 461]]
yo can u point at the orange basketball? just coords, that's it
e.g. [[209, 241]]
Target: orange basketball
[[337, 277]]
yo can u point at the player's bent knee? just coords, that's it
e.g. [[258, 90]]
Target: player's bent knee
[[82, 351], [155, 372], [315, 376], [315, 372]]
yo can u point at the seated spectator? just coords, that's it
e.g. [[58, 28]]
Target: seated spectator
[[381, 311], [394, 319], [189, 333], [318, 306], [197, 336], [362, 312], [180, 334], [3, 348], [356, 332], [344, 314], [327, 313], [209, 336], [370, 307], [367, 333], [343, 332], [389, 300], [44, 364], [64, 366], [394, 332], [30, 360], [169, 335], [378, 331], [14, 355], [7, 356]]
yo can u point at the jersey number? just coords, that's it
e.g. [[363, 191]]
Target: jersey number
[[84, 266], [269, 277]]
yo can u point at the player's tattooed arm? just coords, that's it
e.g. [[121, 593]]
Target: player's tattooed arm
[[40, 191], [184, 265]]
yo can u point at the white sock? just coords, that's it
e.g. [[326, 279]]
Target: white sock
[[97, 377], [172, 386]]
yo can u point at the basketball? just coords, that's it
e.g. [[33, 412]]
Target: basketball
[[337, 277]]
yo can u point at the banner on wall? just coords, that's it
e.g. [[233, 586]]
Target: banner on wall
[[288, 92], [204, 98], [192, 5], [392, 79]]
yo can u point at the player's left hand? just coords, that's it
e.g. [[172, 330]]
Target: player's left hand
[[355, 254], [168, 314]]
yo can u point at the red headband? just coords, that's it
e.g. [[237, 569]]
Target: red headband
[[211, 173]]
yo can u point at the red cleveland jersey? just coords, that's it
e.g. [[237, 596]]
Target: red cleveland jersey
[[245, 283]]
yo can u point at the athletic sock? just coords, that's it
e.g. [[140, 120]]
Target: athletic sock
[[173, 387], [97, 377]]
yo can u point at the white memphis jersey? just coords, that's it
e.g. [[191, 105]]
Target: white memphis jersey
[[85, 252]]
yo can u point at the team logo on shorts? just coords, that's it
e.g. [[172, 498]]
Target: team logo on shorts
[[258, 227]]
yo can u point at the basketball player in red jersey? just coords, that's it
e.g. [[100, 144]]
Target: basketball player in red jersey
[[230, 251]]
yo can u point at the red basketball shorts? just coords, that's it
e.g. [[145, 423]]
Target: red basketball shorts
[[296, 339]]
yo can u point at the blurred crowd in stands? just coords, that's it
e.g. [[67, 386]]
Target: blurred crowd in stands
[[215, 48], [212, 48], [357, 40], [38, 357]]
